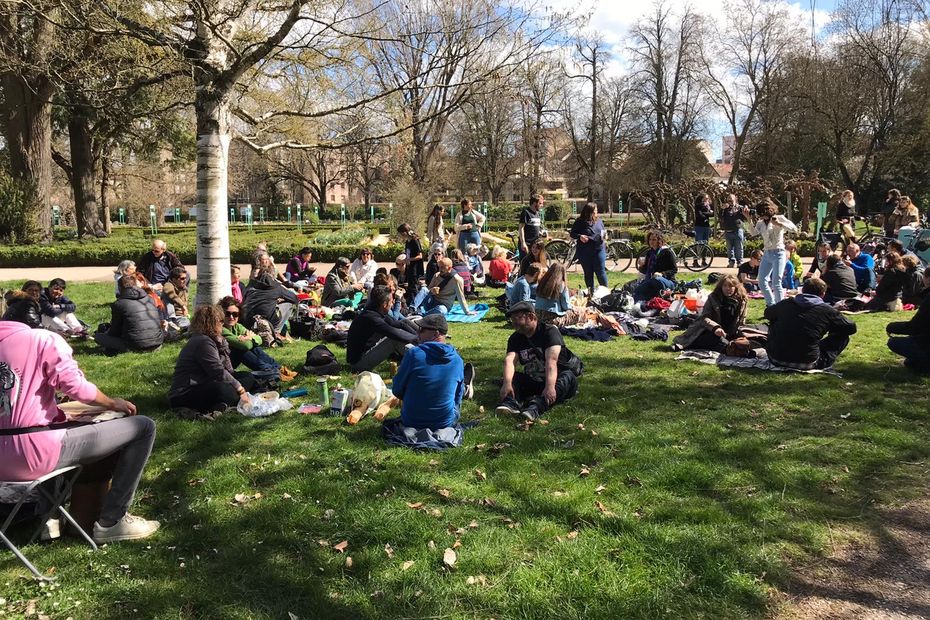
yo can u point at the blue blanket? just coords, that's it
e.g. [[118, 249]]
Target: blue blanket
[[458, 316]]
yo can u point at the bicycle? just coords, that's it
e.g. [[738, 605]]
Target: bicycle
[[619, 253], [694, 257]]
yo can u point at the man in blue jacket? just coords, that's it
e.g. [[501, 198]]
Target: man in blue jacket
[[863, 265], [431, 380]]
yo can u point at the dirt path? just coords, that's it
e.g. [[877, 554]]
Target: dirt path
[[884, 576]]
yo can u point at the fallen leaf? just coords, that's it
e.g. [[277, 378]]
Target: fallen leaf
[[449, 558], [457, 544], [444, 492], [633, 481], [581, 427], [286, 496], [844, 415], [603, 509], [341, 547], [435, 512], [257, 496], [389, 550], [292, 616], [479, 580], [487, 501], [559, 493], [323, 543], [600, 489], [480, 475], [584, 472], [480, 446], [431, 544], [572, 535], [543, 422], [348, 561], [594, 433], [415, 505], [329, 513], [241, 498], [406, 565], [473, 525], [433, 462]]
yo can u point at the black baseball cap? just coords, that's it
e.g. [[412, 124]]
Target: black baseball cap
[[434, 321], [521, 306]]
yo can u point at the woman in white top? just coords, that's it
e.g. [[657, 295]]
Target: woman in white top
[[772, 226], [434, 229], [363, 269], [468, 224]]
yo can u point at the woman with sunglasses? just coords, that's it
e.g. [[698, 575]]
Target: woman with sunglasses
[[245, 346], [363, 269]]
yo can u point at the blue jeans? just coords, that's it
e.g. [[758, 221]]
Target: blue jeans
[[254, 359], [701, 234], [468, 236], [770, 273], [594, 265], [424, 303], [735, 240], [651, 287], [915, 356]]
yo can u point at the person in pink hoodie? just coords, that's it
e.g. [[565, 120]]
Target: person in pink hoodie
[[36, 438]]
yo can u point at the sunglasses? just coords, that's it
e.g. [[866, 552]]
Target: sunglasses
[[231, 314]]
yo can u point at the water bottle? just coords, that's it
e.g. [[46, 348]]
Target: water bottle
[[295, 392]]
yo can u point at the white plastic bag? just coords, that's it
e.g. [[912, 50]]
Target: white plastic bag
[[677, 309], [258, 407]]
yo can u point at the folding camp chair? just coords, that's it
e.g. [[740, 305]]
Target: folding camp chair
[[21, 493]]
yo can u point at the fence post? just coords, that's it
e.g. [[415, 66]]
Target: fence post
[[153, 220], [342, 213], [122, 215], [300, 220], [248, 216], [261, 214], [288, 214]]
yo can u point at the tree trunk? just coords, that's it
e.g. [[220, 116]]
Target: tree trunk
[[213, 278], [28, 128], [105, 174], [83, 176]]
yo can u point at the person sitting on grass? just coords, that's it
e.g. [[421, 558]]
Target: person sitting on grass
[[298, 269], [204, 384], [461, 268], [791, 278], [398, 308], [553, 302], [499, 268], [363, 269], [245, 346], [436, 252], [339, 290], [911, 339], [524, 288], [820, 260], [863, 265], [445, 287], [721, 320], [840, 280], [887, 296], [238, 288], [748, 272], [432, 379], [658, 266], [805, 332], [399, 270], [374, 336], [550, 370], [135, 322], [913, 291], [536, 254], [23, 305], [267, 297], [156, 264], [475, 266], [174, 294], [58, 311], [35, 364], [125, 267]]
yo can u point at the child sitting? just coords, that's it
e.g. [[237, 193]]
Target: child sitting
[[58, 311], [748, 272], [499, 269], [460, 266], [524, 288], [474, 263]]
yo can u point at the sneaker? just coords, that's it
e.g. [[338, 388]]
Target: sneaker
[[51, 530], [128, 528], [509, 406], [186, 413], [469, 381], [530, 412]]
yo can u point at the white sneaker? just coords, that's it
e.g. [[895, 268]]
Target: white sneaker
[[51, 530], [128, 528]]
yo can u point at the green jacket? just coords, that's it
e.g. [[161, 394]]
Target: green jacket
[[232, 337]]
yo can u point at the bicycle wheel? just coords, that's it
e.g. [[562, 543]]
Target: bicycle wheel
[[560, 251], [697, 257], [619, 256]]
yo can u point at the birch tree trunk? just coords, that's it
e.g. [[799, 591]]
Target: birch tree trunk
[[213, 278]]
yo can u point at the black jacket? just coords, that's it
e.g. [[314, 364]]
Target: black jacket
[[371, 326], [890, 286], [666, 262], [841, 282], [200, 362], [54, 308], [918, 327], [702, 215], [261, 297], [797, 325], [145, 265], [136, 320], [23, 309]]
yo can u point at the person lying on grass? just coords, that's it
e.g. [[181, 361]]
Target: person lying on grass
[[432, 379], [34, 364], [911, 339], [805, 332], [550, 370]]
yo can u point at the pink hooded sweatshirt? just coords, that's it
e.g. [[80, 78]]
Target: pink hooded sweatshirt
[[34, 363]]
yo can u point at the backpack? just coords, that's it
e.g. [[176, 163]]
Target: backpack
[[307, 328], [262, 327], [321, 361], [617, 300]]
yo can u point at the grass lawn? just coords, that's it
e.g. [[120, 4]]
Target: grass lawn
[[704, 488]]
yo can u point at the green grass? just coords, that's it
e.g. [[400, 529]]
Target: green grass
[[705, 488]]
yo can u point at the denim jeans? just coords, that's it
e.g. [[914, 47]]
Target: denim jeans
[[424, 303], [651, 287], [594, 266], [735, 240], [915, 356], [468, 236], [771, 270], [254, 359], [701, 234]]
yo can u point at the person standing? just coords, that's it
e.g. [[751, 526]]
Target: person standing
[[891, 203], [591, 251], [772, 227], [703, 211], [530, 224], [733, 218], [845, 216], [435, 232], [468, 224]]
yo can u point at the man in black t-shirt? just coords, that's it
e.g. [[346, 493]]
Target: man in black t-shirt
[[550, 370], [530, 224], [748, 272]]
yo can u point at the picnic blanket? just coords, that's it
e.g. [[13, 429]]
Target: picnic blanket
[[456, 315], [760, 362], [396, 434]]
